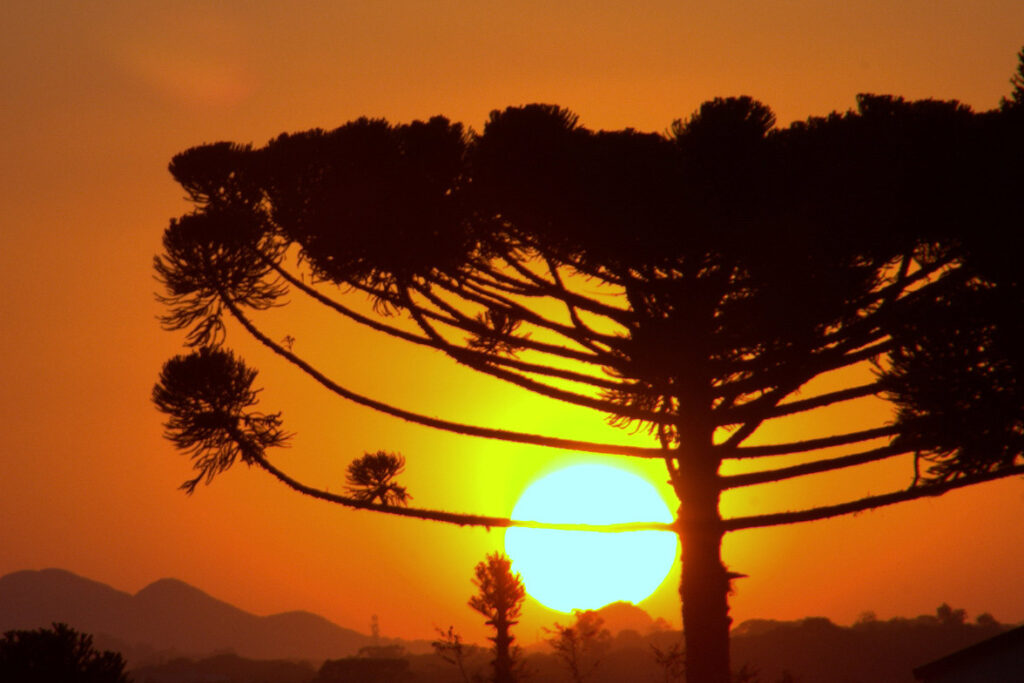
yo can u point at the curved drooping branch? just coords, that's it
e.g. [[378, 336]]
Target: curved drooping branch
[[793, 447], [769, 405], [585, 337], [868, 503], [338, 307], [896, 301], [521, 313], [558, 290], [437, 423], [825, 361], [530, 384], [455, 318], [479, 358], [865, 339], [902, 283], [457, 518], [571, 306], [828, 465], [212, 413], [757, 413], [479, 291]]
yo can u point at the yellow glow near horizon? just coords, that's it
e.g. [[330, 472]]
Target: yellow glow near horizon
[[98, 97], [568, 570]]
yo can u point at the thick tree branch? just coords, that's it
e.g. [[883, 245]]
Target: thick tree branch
[[459, 320], [849, 352], [828, 465], [338, 307], [437, 423], [824, 512], [755, 412], [488, 277], [453, 517], [571, 307], [819, 363], [898, 288], [529, 384], [464, 353], [473, 294], [557, 290], [809, 445]]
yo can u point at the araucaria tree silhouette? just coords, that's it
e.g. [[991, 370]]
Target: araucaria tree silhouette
[[690, 284], [499, 598]]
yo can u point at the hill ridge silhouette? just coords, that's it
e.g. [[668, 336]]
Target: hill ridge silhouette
[[167, 616], [170, 618]]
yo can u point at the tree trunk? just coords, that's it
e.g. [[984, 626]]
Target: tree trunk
[[705, 585], [502, 652]]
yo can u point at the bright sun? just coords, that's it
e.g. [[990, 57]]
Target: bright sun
[[568, 570]]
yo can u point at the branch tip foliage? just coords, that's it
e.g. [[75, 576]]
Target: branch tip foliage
[[372, 477], [209, 400]]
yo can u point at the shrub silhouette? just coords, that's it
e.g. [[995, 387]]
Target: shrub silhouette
[[57, 655]]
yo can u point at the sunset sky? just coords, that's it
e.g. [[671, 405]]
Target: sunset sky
[[97, 98]]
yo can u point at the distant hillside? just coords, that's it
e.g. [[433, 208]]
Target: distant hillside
[[170, 618], [167, 616]]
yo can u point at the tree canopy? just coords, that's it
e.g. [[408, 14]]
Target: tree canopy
[[687, 284], [57, 655]]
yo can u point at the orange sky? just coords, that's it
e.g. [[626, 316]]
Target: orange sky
[[97, 98]]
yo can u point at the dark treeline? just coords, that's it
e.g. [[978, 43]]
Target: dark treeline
[[225, 668], [811, 650]]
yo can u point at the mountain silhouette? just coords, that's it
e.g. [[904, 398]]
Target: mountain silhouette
[[167, 615]]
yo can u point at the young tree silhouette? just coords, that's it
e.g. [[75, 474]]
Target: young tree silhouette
[[57, 655], [672, 660], [500, 599], [582, 644], [689, 284], [449, 647]]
